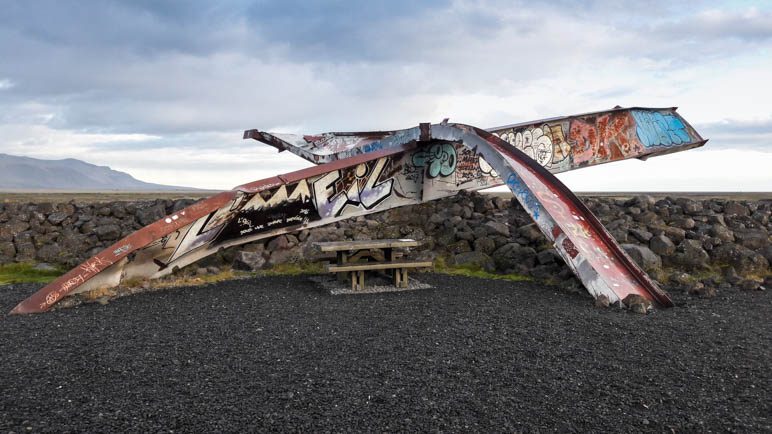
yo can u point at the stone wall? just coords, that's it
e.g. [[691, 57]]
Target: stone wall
[[701, 245]]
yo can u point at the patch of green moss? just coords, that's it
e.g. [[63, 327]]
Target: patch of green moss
[[26, 273], [694, 275], [293, 269], [441, 266], [482, 274]]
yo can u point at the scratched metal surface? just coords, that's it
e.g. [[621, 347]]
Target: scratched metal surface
[[407, 167], [589, 250], [557, 144]]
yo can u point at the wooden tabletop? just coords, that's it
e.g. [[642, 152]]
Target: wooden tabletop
[[336, 246]]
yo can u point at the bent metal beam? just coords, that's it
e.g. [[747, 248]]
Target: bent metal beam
[[365, 173]]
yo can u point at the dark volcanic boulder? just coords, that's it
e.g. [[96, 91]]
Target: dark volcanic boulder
[[150, 214], [646, 217], [683, 223], [661, 245], [485, 245], [282, 242], [549, 256], [691, 255], [461, 246], [641, 235], [644, 257], [108, 232], [734, 208], [690, 207], [642, 201], [474, 260], [767, 253], [531, 232], [7, 251], [513, 256], [721, 232], [25, 251], [248, 261], [57, 218], [12, 228], [497, 228], [637, 304], [752, 238], [743, 259], [50, 253], [293, 255], [675, 234]]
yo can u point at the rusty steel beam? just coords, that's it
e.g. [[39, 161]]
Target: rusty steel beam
[[392, 169], [558, 144]]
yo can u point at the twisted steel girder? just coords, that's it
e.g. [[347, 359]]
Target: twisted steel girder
[[371, 172]]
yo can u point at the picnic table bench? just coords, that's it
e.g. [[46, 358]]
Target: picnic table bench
[[356, 257]]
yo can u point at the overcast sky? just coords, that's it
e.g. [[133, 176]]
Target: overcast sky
[[164, 90]]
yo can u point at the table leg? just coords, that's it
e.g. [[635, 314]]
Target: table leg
[[388, 256], [342, 258], [357, 280]]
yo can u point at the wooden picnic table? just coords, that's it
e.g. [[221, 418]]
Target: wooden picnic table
[[356, 257]]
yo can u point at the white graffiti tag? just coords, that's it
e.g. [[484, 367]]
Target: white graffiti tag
[[93, 265], [330, 202], [533, 142]]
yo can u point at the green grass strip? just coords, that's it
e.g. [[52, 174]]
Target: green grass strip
[[26, 273]]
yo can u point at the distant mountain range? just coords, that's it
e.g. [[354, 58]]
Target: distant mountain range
[[25, 173]]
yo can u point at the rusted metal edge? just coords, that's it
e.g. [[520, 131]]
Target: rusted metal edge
[[564, 151], [660, 296], [271, 140], [495, 151], [482, 142], [46, 297], [566, 117], [49, 295]]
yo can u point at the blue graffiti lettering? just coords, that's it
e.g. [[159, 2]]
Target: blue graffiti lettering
[[441, 159], [372, 147], [527, 198], [656, 129]]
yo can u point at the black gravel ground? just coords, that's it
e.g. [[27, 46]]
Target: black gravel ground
[[482, 355]]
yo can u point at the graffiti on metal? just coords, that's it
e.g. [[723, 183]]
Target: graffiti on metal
[[558, 144], [660, 129], [524, 195], [585, 140], [409, 167]]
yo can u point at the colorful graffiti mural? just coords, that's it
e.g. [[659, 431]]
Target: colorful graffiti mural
[[659, 129], [361, 188], [597, 138], [410, 166], [449, 167], [558, 144], [440, 159], [546, 144]]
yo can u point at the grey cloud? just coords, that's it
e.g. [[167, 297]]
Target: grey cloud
[[140, 27], [744, 26], [340, 31], [738, 134], [177, 67]]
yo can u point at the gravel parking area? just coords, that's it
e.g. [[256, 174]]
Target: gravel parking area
[[279, 353]]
